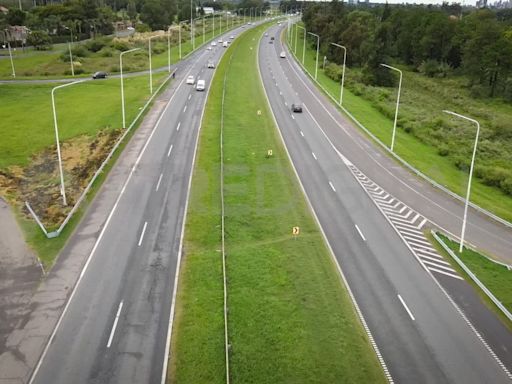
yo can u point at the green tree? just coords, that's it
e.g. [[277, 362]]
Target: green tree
[[39, 40]]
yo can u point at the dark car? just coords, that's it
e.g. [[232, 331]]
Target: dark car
[[297, 108], [100, 75], [270, 42]]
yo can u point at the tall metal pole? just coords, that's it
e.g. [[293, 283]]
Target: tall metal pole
[[213, 18], [204, 29], [304, 45], [12, 62], [151, 65], [343, 73], [317, 50], [62, 189], [397, 103], [122, 82], [296, 30], [192, 37], [463, 232], [70, 54]]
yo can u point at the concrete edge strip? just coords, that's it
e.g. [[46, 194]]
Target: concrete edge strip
[[331, 251], [473, 276], [405, 163]]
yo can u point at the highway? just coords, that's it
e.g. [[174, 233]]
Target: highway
[[114, 328], [389, 266]]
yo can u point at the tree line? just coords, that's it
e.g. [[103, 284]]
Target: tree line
[[435, 40]]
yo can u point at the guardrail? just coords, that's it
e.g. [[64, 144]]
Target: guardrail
[[405, 163], [473, 276]]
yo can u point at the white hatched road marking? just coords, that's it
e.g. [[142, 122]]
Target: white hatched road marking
[[408, 223]]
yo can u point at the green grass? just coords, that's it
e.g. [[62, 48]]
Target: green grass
[[418, 153], [497, 278], [48, 64], [290, 318], [27, 117]]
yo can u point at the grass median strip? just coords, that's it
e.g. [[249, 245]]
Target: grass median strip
[[290, 318]]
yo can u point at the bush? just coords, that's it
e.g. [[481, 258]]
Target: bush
[[334, 71], [78, 71], [141, 27], [479, 91], [40, 40], [106, 52], [95, 45], [429, 67], [506, 185], [114, 68], [121, 45], [79, 51]]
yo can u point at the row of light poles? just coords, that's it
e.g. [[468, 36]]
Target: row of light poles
[[468, 191], [123, 108]]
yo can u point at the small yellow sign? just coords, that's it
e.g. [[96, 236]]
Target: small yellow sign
[[259, 112], [269, 153], [295, 231]]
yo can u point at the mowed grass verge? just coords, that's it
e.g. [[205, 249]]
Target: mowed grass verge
[[290, 318], [422, 156], [497, 278]]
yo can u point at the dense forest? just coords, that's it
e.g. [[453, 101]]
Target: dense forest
[[436, 41], [87, 18]]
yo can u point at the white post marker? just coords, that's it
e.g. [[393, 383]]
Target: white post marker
[[62, 189], [463, 232], [343, 73], [122, 83], [397, 103]]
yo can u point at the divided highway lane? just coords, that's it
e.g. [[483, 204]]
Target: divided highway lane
[[115, 327], [421, 336]]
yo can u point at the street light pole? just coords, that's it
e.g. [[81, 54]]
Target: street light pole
[[317, 50], [343, 73], [296, 30], [12, 62], [397, 103], [122, 82], [169, 47], [192, 37], [62, 189], [70, 54], [304, 46], [151, 65], [463, 232]]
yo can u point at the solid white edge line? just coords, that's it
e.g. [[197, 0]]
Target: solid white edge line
[[169, 152], [406, 308], [159, 181], [332, 186], [360, 233], [324, 236], [142, 233], [115, 325], [96, 244]]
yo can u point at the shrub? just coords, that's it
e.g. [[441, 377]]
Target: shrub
[[40, 40], [95, 45], [78, 71], [106, 52], [141, 27], [334, 71], [79, 51], [478, 91], [443, 151], [121, 45], [114, 68], [429, 67], [506, 185]]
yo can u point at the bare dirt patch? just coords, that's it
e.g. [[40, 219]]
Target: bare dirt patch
[[39, 182]]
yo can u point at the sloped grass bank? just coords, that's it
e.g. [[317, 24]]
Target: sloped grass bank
[[290, 318]]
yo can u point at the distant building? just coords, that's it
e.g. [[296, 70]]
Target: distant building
[[207, 10]]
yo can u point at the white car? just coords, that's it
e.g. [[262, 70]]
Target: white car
[[211, 64], [191, 80], [282, 55], [213, 44], [209, 48], [201, 85], [225, 44], [231, 37], [220, 40]]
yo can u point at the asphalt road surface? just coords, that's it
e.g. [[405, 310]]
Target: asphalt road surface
[[115, 327], [422, 336]]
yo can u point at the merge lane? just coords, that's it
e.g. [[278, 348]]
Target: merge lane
[[430, 351], [116, 325]]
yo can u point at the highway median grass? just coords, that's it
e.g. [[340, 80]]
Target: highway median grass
[[290, 318], [424, 157]]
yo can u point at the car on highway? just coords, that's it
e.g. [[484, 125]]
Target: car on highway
[[225, 44], [271, 41], [100, 75], [231, 37], [191, 80], [209, 48], [282, 55], [211, 64], [213, 44], [297, 108], [220, 41], [201, 85], [272, 38]]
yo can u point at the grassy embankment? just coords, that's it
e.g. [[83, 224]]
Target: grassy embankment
[[83, 111], [421, 106], [50, 64], [497, 278], [290, 318]]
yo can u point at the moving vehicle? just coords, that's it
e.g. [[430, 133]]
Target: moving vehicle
[[191, 80], [225, 44], [211, 64], [209, 48], [220, 40], [282, 55], [201, 85], [272, 38], [213, 44], [297, 108], [231, 37], [100, 75]]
